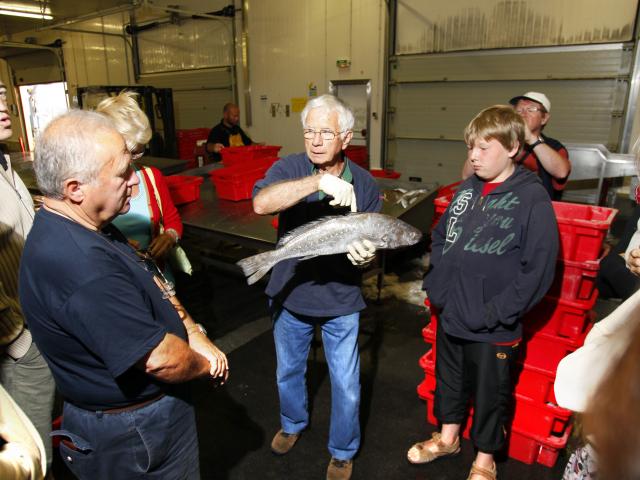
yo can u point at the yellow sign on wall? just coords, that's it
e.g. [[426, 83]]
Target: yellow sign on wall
[[297, 104]]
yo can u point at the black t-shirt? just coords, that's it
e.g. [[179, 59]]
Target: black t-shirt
[[94, 311], [232, 136], [329, 285]]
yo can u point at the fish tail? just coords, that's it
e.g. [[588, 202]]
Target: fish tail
[[256, 266]]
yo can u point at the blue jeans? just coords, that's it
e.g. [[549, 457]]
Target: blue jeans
[[156, 441], [293, 334]]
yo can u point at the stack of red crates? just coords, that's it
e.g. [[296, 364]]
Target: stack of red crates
[[243, 167], [358, 154], [554, 328], [187, 143]]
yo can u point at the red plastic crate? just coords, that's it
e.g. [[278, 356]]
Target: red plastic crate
[[232, 156], [576, 282], [448, 191], [541, 419], [545, 351], [528, 448], [187, 140], [582, 229], [440, 205], [557, 316], [385, 173], [358, 154], [427, 386], [184, 188], [535, 384], [443, 199], [236, 183]]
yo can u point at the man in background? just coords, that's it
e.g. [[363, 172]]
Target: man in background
[[542, 154], [23, 372], [227, 133]]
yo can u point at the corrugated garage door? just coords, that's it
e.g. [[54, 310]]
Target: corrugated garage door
[[433, 96], [194, 57]]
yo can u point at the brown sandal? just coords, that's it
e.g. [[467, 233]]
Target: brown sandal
[[489, 474], [434, 448]]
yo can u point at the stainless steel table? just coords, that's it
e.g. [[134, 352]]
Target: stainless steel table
[[595, 162], [211, 217]]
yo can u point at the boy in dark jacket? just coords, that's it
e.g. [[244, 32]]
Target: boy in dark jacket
[[493, 258]]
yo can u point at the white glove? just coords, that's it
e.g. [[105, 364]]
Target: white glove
[[362, 253], [341, 191]]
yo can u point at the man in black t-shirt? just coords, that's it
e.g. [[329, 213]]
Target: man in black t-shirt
[[118, 344], [227, 133]]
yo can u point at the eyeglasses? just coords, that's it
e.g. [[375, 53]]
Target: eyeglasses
[[520, 111], [325, 134]]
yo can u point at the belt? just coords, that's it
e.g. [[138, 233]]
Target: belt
[[133, 406]]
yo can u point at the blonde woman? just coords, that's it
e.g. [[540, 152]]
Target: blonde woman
[[152, 224]]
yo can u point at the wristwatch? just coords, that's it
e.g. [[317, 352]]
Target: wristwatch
[[197, 327], [173, 234], [201, 329], [536, 143]]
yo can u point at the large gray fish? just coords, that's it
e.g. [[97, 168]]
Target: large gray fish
[[332, 235]]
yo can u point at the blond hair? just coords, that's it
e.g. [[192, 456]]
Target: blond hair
[[499, 122], [128, 118]]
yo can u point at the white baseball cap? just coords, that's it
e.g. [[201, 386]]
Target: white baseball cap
[[541, 98]]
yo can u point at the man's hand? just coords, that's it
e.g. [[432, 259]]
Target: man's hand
[[217, 359], [160, 246], [633, 261], [529, 138], [362, 253], [341, 191]]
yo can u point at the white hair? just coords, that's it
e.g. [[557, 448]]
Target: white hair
[[67, 149], [329, 104]]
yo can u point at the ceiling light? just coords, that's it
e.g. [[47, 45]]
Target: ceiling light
[[33, 10]]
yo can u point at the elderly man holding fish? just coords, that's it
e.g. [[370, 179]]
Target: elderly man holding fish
[[324, 290]]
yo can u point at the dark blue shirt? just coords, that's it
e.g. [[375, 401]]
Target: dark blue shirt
[[493, 257], [325, 286], [94, 311]]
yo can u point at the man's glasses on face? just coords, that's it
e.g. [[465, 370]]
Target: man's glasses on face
[[531, 109], [325, 134]]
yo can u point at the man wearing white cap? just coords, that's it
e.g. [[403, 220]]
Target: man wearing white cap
[[541, 154]]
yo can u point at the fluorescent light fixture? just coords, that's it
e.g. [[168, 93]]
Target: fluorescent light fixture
[[32, 10]]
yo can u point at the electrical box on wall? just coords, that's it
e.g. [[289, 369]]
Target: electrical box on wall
[[343, 63]]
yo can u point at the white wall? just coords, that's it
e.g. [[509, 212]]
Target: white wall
[[295, 44]]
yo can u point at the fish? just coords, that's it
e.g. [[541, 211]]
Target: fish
[[331, 235]]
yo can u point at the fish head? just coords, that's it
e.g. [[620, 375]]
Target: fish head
[[400, 234]]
